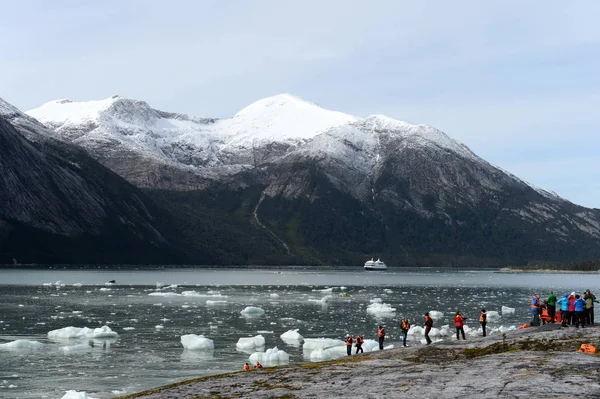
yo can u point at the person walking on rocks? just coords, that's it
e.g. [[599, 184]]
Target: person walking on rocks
[[404, 326], [459, 322], [483, 320], [349, 345], [358, 344], [381, 336], [551, 306], [428, 325], [589, 307]]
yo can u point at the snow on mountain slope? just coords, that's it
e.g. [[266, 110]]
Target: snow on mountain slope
[[8, 110], [278, 118]]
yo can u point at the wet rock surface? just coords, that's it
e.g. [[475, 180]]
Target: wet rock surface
[[539, 362]]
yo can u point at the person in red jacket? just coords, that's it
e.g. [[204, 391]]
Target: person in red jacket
[[459, 322], [358, 344], [428, 325], [381, 336]]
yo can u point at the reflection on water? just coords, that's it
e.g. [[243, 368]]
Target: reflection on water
[[210, 302]]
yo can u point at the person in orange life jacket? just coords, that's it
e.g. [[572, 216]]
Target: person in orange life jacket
[[535, 310], [349, 345], [246, 367], [428, 325], [258, 365], [404, 326], [483, 320], [459, 322], [359, 342], [381, 336]]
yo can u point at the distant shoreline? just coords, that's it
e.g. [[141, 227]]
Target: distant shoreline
[[547, 271]]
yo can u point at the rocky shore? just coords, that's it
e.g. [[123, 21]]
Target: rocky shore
[[537, 362]]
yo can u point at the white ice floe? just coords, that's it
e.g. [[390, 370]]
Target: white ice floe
[[493, 316], [321, 354], [271, 357], [21, 344], [164, 294], [75, 348], [214, 303], [381, 309], [376, 300], [436, 315], [507, 310], [322, 301], [128, 328], [321, 343], [247, 343], [72, 394], [78, 333], [292, 335], [159, 326], [252, 311], [274, 295], [370, 345], [197, 342]]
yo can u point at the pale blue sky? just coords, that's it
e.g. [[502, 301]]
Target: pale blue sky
[[516, 81]]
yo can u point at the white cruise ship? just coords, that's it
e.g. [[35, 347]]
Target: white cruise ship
[[375, 265]]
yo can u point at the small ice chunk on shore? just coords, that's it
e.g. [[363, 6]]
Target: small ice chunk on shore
[[246, 343], [197, 342], [252, 311], [21, 344], [271, 357]]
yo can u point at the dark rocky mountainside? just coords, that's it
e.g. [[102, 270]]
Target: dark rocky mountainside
[[282, 182]]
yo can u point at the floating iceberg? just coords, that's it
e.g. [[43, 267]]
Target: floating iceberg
[[197, 342], [381, 309], [271, 357], [436, 315], [252, 311], [292, 335], [76, 348], [80, 333], [507, 310], [21, 344], [493, 316], [321, 354], [77, 395], [311, 344], [250, 342]]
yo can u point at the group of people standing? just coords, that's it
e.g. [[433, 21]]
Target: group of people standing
[[405, 325], [574, 309]]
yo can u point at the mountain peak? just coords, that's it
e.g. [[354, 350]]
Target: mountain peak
[[8, 110], [284, 116]]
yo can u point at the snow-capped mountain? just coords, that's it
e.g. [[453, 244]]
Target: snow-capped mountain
[[60, 205], [329, 185], [121, 132]]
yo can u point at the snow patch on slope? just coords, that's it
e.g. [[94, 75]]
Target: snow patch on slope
[[278, 118]]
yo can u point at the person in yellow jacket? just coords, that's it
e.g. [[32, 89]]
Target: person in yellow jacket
[[246, 367]]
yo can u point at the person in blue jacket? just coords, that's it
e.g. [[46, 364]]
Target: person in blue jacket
[[579, 311], [564, 308], [535, 310]]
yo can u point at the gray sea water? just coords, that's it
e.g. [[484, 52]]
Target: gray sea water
[[143, 355]]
